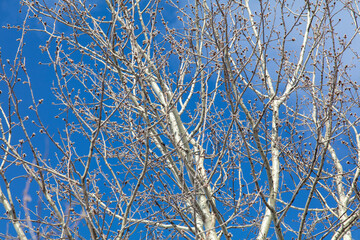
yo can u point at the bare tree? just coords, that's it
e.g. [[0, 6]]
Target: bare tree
[[202, 120]]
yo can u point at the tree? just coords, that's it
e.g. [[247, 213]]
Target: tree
[[202, 120]]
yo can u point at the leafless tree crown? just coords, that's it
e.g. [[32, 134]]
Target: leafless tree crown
[[204, 119]]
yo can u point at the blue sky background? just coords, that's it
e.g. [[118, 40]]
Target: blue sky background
[[41, 77]]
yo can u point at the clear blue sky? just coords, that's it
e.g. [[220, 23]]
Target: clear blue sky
[[41, 77]]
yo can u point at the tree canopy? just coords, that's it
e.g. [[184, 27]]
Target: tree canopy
[[202, 119]]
